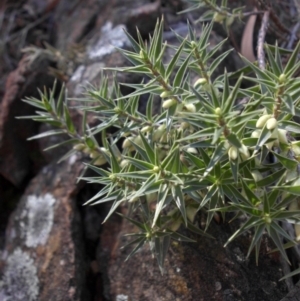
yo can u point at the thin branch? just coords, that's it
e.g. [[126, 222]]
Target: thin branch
[[293, 37], [261, 40], [253, 13], [278, 23], [273, 16], [25, 30]]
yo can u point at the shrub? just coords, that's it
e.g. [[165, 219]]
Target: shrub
[[204, 150]]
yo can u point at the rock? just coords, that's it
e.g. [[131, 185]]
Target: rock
[[293, 295], [43, 257], [16, 153], [204, 270]]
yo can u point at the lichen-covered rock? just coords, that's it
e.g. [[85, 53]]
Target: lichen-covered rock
[[20, 281], [44, 253], [39, 212]]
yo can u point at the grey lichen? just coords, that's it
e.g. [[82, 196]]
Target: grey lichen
[[122, 298], [40, 214], [111, 37], [20, 281]]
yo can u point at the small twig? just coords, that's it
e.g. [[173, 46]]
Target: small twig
[[261, 40], [25, 30], [278, 23], [253, 13], [293, 35], [273, 16]]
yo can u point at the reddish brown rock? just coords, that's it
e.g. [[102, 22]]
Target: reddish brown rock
[[18, 157]]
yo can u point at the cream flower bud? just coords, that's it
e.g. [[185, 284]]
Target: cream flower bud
[[159, 132], [297, 231], [165, 94], [282, 136], [104, 150], [256, 134], [138, 140], [193, 44], [94, 154], [257, 176], [79, 147], [260, 123], [124, 163], [190, 107], [86, 150], [135, 199], [126, 134], [268, 219], [218, 18], [169, 103], [146, 129], [184, 125], [282, 78], [218, 111], [100, 161], [233, 153], [244, 152], [156, 169], [143, 54], [271, 123], [127, 143], [192, 150], [200, 81]]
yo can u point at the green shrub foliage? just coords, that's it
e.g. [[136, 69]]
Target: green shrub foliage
[[204, 150]]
